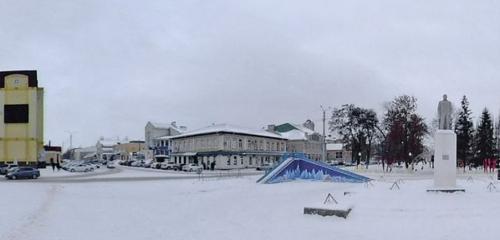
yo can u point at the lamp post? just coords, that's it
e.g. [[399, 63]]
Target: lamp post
[[323, 143], [359, 158], [412, 164]]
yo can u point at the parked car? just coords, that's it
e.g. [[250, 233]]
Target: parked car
[[4, 170], [23, 172], [264, 167], [137, 163], [169, 166], [156, 165], [191, 167], [110, 165], [147, 163], [81, 168]]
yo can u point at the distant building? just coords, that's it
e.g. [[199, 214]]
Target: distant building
[[105, 149], [162, 145], [227, 146], [125, 150], [52, 154], [155, 131], [86, 153], [301, 138], [21, 129], [336, 152]]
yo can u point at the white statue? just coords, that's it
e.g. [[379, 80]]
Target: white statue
[[444, 113]]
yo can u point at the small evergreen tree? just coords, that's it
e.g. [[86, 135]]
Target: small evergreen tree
[[484, 139], [464, 128]]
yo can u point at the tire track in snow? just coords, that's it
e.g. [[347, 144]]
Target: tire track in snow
[[35, 219]]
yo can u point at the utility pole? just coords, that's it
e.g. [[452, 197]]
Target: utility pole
[[323, 143], [71, 138]]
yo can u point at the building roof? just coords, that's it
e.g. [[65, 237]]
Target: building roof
[[294, 131], [108, 142], [87, 149], [52, 148], [294, 135], [334, 146], [180, 129], [228, 128]]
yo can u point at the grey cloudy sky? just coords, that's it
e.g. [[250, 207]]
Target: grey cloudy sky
[[110, 66]]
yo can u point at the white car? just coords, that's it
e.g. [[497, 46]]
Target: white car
[[137, 163], [191, 167], [156, 165], [167, 165], [81, 168]]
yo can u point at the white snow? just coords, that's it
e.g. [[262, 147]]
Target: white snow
[[239, 208], [228, 128], [294, 135]]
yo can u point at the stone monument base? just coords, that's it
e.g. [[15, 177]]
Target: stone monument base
[[445, 162], [446, 190]]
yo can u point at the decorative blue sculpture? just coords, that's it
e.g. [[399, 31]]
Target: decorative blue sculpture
[[294, 166]]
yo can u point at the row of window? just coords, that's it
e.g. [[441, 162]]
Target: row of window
[[205, 143]]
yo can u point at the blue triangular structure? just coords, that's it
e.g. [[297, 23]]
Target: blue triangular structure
[[297, 166]]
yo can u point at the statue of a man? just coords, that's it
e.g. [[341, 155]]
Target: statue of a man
[[444, 113]]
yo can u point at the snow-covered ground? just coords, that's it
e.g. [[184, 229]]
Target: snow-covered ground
[[239, 208]]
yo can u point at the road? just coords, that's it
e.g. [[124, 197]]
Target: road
[[113, 175]]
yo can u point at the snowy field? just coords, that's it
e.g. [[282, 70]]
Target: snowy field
[[239, 208]]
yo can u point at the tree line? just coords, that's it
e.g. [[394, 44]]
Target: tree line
[[399, 137]]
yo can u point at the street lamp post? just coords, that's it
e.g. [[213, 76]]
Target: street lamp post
[[412, 164], [359, 158]]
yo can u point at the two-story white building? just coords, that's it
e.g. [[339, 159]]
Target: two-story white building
[[225, 146]]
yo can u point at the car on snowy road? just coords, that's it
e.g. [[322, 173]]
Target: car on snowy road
[[23, 172], [168, 166], [110, 165], [81, 168], [191, 167]]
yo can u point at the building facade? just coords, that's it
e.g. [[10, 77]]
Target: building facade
[[21, 129], [301, 138], [225, 146], [53, 154], [126, 150], [155, 134], [105, 149], [337, 153]]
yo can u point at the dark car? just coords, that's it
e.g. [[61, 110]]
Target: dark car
[[23, 172], [4, 170]]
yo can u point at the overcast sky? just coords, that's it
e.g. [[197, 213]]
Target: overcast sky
[[110, 66]]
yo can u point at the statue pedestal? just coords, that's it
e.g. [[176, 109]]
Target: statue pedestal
[[445, 162]]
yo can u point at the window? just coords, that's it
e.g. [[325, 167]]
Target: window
[[240, 144], [250, 161], [241, 160], [16, 113], [235, 162], [338, 155], [228, 161]]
